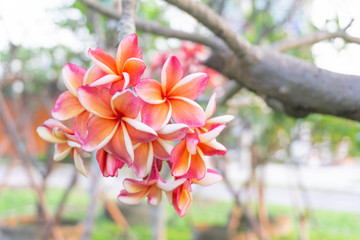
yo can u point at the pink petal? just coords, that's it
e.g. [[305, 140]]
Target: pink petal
[[93, 73], [190, 86], [210, 178], [187, 111], [162, 149], [108, 163], [109, 78], [212, 134], [135, 67], [154, 196], [197, 169], [132, 198], [61, 151], [103, 60], [219, 120], [169, 186], [138, 131], [79, 162], [171, 74], [192, 141], [212, 148], [120, 145], [67, 106], [143, 159], [181, 159], [211, 107], [128, 48], [125, 104], [173, 132], [182, 200], [80, 124], [96, 101], [73, 76], [149, 90], [100, 132], [47, 134], [156, 115], [135, 186]]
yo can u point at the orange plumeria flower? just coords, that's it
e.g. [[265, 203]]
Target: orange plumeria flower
[[173, 97], [122, 72]]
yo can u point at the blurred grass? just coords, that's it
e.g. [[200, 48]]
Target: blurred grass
[[322, 224]]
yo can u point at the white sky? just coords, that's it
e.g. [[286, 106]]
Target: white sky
[[31, 24]]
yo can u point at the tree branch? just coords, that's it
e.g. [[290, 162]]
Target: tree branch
[[216, 24], [287, 44], [126, 24], [155, 28]]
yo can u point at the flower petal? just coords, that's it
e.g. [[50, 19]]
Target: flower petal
[[169, 186], [143, 159], [61, 151], [212, 148], [173, 132], [103, 60], [138, 131], [134, 186], [187, 111], [96, 101], [100, 132], [135, 67], [149, 90], [128, 48], [192, 141], [79, 162], [171, 74], [156, 115], [125, 104], [46, 131], [181, 159], [120, 145], [220, 120], [47, 134], [109, 78], [93, 73], [197, 169], [211, 107], [132, 198], [190, 86], [210, 178], [73, 76], [80, 124], [162, 149], [212, 134], [67, 106], [154, 196], [108, 163]]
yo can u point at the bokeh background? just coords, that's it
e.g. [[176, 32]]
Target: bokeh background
[[298, 177]]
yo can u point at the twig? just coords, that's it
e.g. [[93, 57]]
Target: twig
[[155, 28], [216, 24], [287, 44]]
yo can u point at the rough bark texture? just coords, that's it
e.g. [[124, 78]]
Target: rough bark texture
[[291, 85]]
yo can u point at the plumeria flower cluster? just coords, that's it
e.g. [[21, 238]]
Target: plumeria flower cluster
[[141, 123]]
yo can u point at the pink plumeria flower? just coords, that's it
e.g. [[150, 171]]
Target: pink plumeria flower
[[152, 187], [124, 71], [113, 124], [173, 97], [65, 142], [159, 148], [188, 157], [181, 197]]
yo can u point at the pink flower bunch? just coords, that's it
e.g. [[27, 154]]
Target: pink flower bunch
[[141, 123]]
